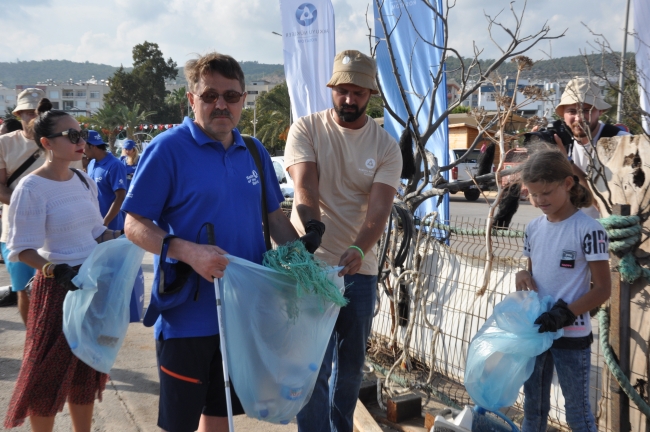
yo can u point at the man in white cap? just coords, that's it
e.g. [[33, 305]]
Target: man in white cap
[[580, 107], [346, 169], [19, 156]]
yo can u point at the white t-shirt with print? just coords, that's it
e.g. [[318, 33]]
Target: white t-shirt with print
[[560, 253]]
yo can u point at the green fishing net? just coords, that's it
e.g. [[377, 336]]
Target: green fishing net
[[309, 272]]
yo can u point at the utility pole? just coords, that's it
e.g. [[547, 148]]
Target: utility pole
[[621, 76]]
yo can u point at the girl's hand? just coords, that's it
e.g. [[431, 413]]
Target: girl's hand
[[524, 281]]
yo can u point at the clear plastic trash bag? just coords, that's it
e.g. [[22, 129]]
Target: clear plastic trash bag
[[96, 316], [502, 355], [273, 359]]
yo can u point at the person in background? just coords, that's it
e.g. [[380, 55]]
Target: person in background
[[18, 149], [10, 125], [568, 259], [130, 157], [110, 175], [54, 226], [580, 108]]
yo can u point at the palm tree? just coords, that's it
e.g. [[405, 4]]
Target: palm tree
[[178, 99], [131, 117], [107, 120], [273, 117]]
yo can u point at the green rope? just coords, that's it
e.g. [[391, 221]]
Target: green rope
[[624, 234], [610, 361], [294, 261]]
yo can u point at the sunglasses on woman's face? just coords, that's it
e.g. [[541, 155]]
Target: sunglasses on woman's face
[[73, 135]]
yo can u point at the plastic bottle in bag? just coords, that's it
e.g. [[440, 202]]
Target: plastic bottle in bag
[[297, 383]]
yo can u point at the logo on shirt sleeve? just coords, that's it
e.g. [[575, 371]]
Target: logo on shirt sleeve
[[595, 242], [568, 259]]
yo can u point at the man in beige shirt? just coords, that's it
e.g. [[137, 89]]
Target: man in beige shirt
[[16, 148], [346, 170]]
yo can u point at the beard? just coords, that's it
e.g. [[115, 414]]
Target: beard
[[349, 113], [582, 129]]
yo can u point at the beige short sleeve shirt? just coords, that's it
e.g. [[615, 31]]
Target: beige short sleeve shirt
[[14, 150], [349, 162]]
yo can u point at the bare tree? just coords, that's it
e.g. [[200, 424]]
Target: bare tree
[[428, 173], [473, 75]]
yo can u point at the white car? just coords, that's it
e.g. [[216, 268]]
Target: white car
[[285, 180]]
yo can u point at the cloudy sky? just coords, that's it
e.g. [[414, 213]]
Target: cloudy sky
[[106, 31]]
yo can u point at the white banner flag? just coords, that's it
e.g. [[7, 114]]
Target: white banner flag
[[641, 17], [309, 50]]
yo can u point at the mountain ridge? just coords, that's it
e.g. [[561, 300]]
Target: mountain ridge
[[32, 72]]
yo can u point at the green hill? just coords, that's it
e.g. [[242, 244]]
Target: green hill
[[31, 72], [549, 70]]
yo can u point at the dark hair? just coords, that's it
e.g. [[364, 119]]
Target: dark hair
[[45, 122], [213, 63], [101, 146], [551, 166], [12, 124]]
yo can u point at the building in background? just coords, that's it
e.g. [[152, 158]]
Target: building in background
[[82, 98]]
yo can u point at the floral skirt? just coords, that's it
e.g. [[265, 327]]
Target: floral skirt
[[50, 374]]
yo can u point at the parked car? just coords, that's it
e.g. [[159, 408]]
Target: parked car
[[285, 180], [465, 171]]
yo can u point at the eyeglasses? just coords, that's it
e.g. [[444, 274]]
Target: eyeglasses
[[73, 135], [211, 96]]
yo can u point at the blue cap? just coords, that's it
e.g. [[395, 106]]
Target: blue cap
[[128, 144], [94, 138]]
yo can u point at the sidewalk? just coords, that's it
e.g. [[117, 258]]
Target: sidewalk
[[130, 402]]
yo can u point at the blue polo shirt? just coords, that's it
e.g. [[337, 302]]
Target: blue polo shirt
[[130, 170], [185, 179], [110, 175]]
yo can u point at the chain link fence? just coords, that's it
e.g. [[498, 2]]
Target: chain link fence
[[436, 316]]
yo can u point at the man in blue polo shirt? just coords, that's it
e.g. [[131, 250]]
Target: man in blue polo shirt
[[196, 173], [110, 175]]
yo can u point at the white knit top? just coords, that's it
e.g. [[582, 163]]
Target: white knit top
[[59, 219]]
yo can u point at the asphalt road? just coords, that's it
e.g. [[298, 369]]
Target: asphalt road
[[459, 207]]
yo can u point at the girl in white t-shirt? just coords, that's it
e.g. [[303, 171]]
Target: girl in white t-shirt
[[567, 251], [55, 226]]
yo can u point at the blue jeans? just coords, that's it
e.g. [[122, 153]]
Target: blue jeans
[[19, 272], [332, 403], [572, 368]]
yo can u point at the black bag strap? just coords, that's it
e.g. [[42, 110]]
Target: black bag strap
[[81, 177], [21, 169], [609, 131], [252, 148]]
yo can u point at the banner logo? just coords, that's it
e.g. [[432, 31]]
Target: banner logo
[[306, 14]]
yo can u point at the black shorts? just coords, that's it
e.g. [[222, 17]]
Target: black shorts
[[191, 383]]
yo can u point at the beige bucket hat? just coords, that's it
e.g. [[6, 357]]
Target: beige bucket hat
[[581, 91], [353, 67], [28, 99]]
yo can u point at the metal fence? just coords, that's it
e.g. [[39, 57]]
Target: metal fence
[[436, 324]]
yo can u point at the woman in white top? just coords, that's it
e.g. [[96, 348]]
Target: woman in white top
[[56, 225]]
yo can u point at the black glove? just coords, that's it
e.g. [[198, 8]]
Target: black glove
[[63, 275], [313, 235], [559, 316]]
